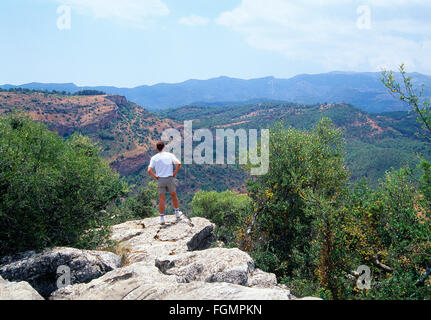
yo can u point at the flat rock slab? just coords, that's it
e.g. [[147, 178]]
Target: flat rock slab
[[40, 270], [211, 265], [225, 291], [142, 282], [120, 284], [261, 279], [146, 240], [17, 291], [127, 230]]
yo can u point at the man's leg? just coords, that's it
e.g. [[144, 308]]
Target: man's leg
[[176, 204], [175, 200], [162, 199]]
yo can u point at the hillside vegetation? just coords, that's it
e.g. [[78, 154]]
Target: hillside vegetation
[[374, 142], [124, 131]]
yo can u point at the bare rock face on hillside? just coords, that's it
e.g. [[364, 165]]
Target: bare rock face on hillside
[[40, 270]]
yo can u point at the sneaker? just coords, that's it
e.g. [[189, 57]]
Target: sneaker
[[162, 219], [178, 214]]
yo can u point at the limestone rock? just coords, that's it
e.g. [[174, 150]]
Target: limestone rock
[[142, 282], [261, 279], [127, 230], [146, 240], [17, 291], [169, 262], [224, 291], [132, 282], [40, 270], [211, 265]]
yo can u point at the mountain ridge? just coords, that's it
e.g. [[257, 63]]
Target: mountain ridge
[[362, 89]]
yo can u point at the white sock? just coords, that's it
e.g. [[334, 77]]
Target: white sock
[[162, 218], [177, 212]]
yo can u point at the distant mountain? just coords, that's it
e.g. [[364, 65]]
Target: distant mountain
[[364, 90]]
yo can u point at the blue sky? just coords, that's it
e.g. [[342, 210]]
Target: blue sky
[[134, 42]]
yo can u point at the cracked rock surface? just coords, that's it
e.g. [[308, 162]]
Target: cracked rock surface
[[17, 291], [40, 270], [176, 261]]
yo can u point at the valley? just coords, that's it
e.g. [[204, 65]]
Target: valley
[[127, 132]]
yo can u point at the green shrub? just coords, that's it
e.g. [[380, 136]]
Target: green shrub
[[226, 209], [139, 206], [52, 192]]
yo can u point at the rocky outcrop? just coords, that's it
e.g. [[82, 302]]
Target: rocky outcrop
[[261, 279], [152, 241], [40, 270], [177, 261], [17, 291], [212, 265], [140, 281], [118, 100]]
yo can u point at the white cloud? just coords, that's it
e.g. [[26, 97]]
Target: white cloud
[[137, 12], [326, 32], [194, 21]]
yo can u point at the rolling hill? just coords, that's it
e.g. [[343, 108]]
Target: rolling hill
[[374, 142], [125, 132]]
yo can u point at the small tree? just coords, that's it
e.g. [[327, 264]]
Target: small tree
[[52, 192], [406, 91], [227, 210], [297, 216]]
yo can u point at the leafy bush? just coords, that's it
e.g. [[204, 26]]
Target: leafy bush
[[314, 233], [226, 209], [52, 192], [389, 231], [296, 202], [139, 206]]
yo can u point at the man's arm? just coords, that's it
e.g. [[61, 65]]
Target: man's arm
[[177, 168], [177, 163], [151, 173]]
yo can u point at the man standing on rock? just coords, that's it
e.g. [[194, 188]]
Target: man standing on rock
[[163, 164]]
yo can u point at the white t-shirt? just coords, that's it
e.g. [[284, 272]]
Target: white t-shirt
[[163, 163]]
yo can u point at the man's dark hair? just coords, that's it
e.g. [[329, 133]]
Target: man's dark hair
[[160, 145]]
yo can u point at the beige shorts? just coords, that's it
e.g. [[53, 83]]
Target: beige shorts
[[168, 184]]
